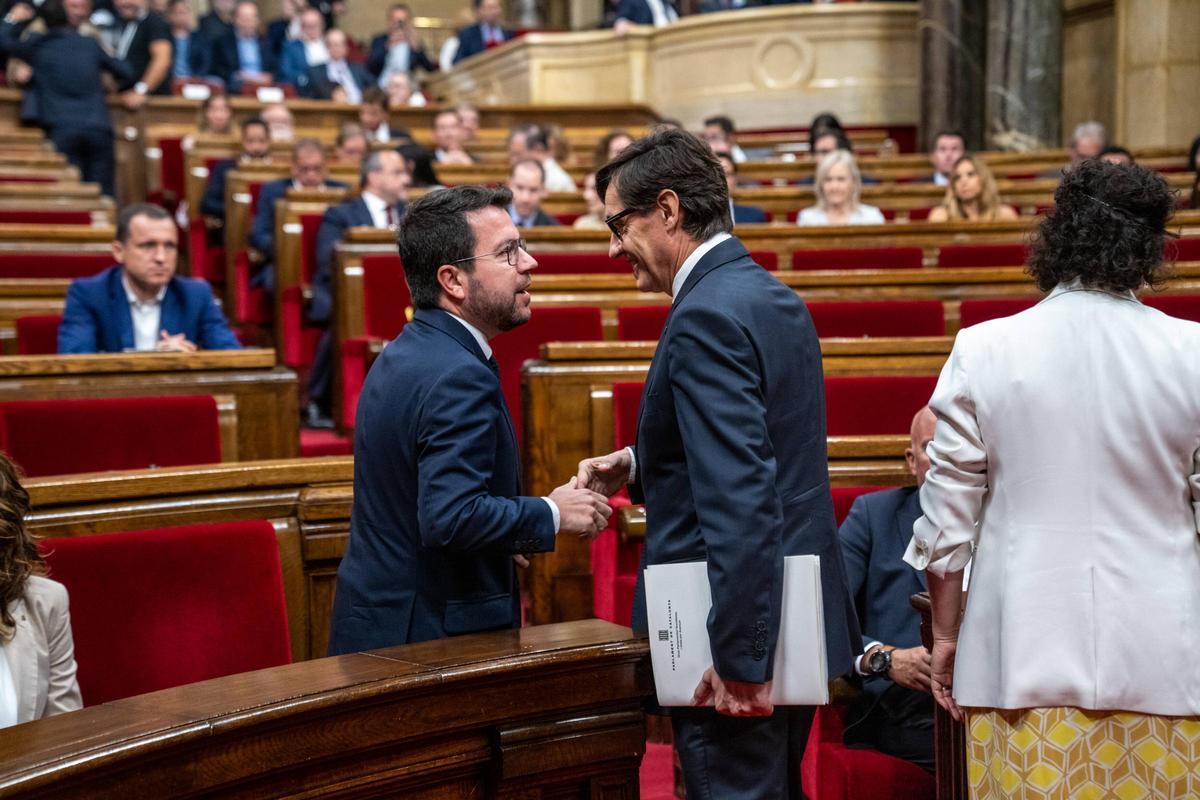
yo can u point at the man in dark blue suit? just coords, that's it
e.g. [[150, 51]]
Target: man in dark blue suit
[[320, 81], [140, 304], [741, 214], [243, 52], [438, 525], [895, 712], [730, 458], [381, 205], [645, 12], [308, 172], [398, 50], [486, 32], [256, 147]]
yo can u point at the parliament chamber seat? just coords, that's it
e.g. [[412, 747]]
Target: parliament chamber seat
[[1183, 306], [864, 318], [614, 562], [859, 258], [844, 497], [37, 334], [153, 609], [832, 771], [550, 263], [972, 312], [299, 338], [641, 323], [867, 405], [52, 265], [57, 437], [982, 255]]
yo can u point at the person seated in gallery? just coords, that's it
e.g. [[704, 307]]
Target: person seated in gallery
[[448, 136], [948, 148], [594, 218], [740, 214], [972, 195], [1115, 154], [526, 182], [838, 185]]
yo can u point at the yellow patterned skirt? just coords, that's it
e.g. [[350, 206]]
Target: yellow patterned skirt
[[1068, 753]]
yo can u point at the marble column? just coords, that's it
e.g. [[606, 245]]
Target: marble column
[[1158, 72], [1024, 74], [953, 38]]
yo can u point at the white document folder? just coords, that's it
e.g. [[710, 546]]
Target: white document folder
[[678, 601]]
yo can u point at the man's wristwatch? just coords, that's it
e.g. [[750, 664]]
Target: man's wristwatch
[[879, 662]]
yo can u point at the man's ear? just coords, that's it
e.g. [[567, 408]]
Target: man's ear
[[118, 251], [910, 459], [666, 205], [453, 282]]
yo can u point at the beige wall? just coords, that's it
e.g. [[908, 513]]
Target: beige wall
[[1158, 72], [1089, 67]]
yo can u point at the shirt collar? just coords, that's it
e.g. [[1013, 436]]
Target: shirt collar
[[520, 221], [480, 339], [132, 297], [375, 204], [691, 261], [1076, 285]]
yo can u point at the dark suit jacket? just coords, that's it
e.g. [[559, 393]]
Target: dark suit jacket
[[436, 515], [745, 214], [377, 57], [97, 319], [277, 35], [470, 41], [542, 219], [316, 82], [212, 202], [262, 232], [639, 11], [66, 88], [226, 62], [334, 224], [874, 537], [731, 459]]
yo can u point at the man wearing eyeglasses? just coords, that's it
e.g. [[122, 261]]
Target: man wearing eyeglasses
[[730, 458], [438, 526]]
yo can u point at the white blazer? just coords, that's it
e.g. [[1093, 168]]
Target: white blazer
[[1066, 454], [41, 654]]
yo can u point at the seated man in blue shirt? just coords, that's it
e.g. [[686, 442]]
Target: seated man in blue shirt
[[140, 303]]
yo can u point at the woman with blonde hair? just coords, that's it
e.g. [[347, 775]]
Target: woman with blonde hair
[[37, 654], [971, 195], [838, 185]]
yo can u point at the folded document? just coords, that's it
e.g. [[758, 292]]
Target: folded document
[[678, 601]]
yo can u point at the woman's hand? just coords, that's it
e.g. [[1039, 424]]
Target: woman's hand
[[942, 676]]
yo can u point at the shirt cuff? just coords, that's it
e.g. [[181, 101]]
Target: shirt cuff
[[632, 465], [553, 512], [858, 662]]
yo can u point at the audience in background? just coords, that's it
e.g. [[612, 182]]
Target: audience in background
[[279, 122], [300, 56], [448, 139], [143, 41], [242, 53], [215, 118], [526, 181], [823, 141], [256, 149], [838, 185], [485, 33], [190, 54], [644, 12], [402, 93], [972, 195], [1087, 141], [337, 72], [140, 303], [37, 653], [594, 218], [1115, 154], [400, 50], [217, 22], [722, 136], [373, 115], [739, 214], [948, 148], [609, 145], [530, 142], [285, 27], [351, 144], [468, 114], [420, 165]]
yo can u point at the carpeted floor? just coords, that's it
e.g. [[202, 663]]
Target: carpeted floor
[[657, 774]]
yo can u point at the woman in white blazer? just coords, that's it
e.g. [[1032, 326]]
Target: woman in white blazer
[[1065, 461], [37, 665]]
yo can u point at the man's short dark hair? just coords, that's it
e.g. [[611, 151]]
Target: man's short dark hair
[[723, 122], [1116, 150], [443, 113], [529, 162], [535, 135], [435, 231], [307, 143], [374, 96], [53, 13], [948, 132], [128, 213], [260, 122], [679, 161]]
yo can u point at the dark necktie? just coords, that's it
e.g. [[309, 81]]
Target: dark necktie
[[391, 217], [493, 366]]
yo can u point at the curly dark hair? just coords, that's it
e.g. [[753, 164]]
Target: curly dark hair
[[19, 556], [1107, 228]]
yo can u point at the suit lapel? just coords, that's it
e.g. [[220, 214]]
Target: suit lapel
[[23, 663], [119, 303], [171, 318]]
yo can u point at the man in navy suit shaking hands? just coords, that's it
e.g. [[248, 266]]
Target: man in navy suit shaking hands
[[438, 525], [729, 459]]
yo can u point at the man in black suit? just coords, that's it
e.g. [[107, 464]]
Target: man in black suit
[[741, 214], [895, 712], [320, 81], [730, 458], [256, 148], [438, 524], [486, 32], [144, 42], [398, 50], [526, 181], [243, 52], [381, 204]]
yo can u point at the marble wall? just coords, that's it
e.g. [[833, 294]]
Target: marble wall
[[1158, 72], [1089, 77]]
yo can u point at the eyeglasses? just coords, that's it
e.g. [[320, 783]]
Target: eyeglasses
[[612, 221], [510, 251]]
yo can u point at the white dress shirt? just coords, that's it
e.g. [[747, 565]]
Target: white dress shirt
[[316, 53], [8, 690], [146, 316], [339, 73], [482, 341], [662, 13], [378, 208], [557, 179], [381, 134]]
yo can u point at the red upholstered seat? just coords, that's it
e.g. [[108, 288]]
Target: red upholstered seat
[[251, 305], [57, 437], [300, 338], [859, 258], [767, 259], [578, 264], [205, 262], [832, 771], [615, 564], [45, 217], [852, 319], [982, 255], [324, 443], [38, 335], [844, 497], [160, 608], [918, 214], [513, 348], [170, 170], [53, 265], [641, 323], [972, 312], [861, 405], [1183, 306], [1185, 249]]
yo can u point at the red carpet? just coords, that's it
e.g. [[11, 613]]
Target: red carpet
[[657, 775]]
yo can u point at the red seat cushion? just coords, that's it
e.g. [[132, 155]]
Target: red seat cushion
[[57, 437], [832, 771], [310, 226], [982, 255], [45, 217], [300, 338], [53, 265], [854, 319], [1183, 306], [1185, 249], [641, 323], [324, 443], [160, 608], [385, 295], [844, 497], [859, 258], [170, 168], [578, 264], [860, 405], [38, 335], [972, 312], [766, 259]]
